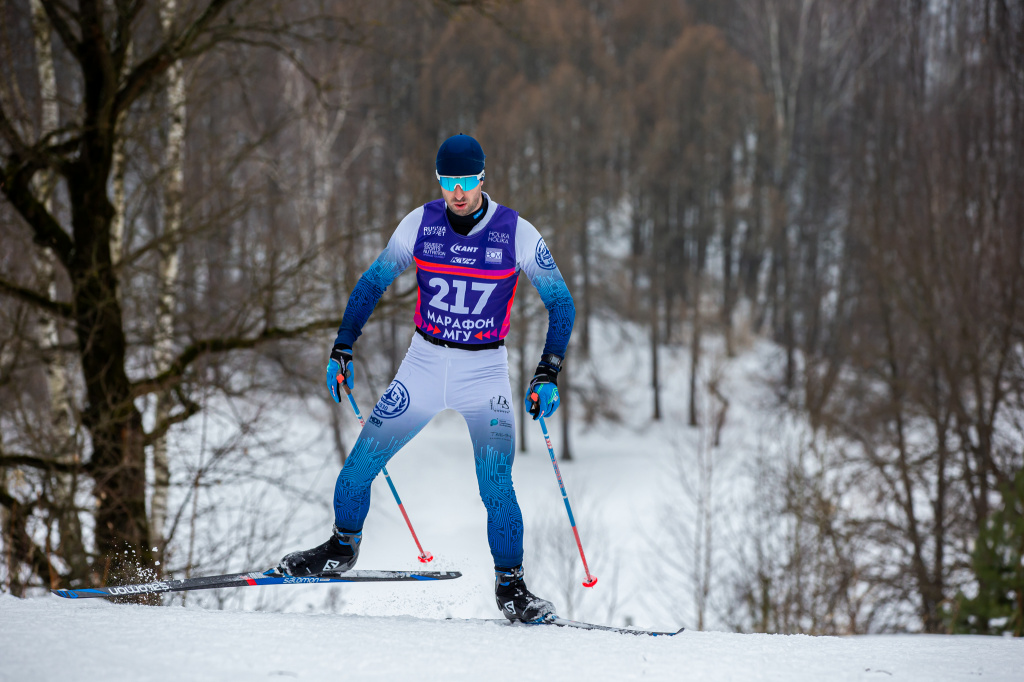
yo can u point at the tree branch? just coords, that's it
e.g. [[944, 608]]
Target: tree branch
[[10, 133], [39, 155], [169, 51], [38, 300], [16, 184], [126, 15], [25, 549], [21, 461], [198, 349], [159, 430], [54, 10]]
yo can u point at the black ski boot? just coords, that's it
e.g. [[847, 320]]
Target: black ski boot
[[515, 601], [337, 555]]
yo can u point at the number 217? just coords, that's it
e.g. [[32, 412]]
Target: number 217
[[459, 306]]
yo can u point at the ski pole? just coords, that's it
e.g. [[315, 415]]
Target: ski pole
[[591, 579], [424, 556]]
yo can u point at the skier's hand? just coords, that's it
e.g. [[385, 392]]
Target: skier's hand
[[542, 395], [339, 364]]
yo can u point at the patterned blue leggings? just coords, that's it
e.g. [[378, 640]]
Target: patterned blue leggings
[[433, 378]]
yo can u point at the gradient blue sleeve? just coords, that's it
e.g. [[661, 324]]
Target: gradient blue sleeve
[[368, 290], [561, 311], [392, 261], [536, 261]]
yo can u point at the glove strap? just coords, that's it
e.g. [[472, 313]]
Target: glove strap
[[547, 370], [339, 352]]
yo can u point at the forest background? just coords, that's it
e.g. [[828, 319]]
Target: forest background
[[191, 189]]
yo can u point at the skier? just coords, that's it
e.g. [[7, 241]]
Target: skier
[[468, 252]]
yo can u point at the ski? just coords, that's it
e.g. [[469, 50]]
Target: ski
[[567, 623], [269, 577]]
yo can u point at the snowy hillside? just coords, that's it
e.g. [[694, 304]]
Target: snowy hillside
[[631, 487], [51, 639]]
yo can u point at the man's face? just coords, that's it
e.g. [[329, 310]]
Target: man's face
[[464, 203]]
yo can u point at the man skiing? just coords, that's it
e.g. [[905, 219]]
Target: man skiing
[[468, 252]]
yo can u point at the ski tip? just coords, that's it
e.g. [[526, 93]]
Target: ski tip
[[662, 634], [441, 575], [84, 592]]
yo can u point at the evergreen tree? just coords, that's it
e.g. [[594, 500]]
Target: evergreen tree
[[998, 562]]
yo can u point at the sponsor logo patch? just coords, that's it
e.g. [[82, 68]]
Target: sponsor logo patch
[[375, 421], [500, 404], [433, 249], [463, 261], [497, 237], [434, 230], [394, 402], [544, 258], [462, 248], [493, 255]]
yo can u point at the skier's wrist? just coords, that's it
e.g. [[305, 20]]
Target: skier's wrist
[[341, 353], [339, 368], [548, 368]]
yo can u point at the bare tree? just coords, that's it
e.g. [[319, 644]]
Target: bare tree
[[97, 40]]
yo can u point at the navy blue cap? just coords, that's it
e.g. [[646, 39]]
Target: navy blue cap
[[460, 155]]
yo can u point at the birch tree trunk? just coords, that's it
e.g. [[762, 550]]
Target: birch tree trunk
[[58, 378], [168, 271], [49, 334], [117, 173]]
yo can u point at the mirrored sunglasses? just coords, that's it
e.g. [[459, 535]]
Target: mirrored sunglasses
[[468, 182]]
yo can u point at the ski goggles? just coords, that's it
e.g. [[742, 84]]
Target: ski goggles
[[468, 182]]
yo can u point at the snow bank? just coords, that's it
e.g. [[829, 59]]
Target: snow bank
[[53, 639]]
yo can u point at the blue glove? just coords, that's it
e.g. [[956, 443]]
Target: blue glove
[[340, 363], [542, 395]]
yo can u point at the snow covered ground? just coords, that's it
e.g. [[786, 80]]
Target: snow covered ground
[[52, 639], [628, 485]]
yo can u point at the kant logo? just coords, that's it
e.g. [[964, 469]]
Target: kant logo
[[461, 248]]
